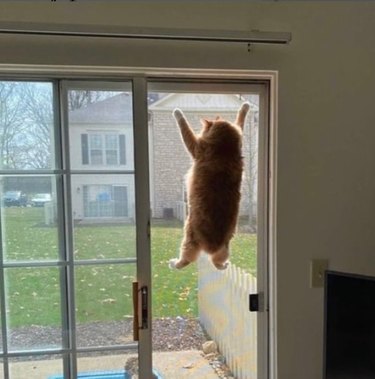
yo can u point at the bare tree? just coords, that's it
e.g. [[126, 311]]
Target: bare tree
[[27, 121], [12, 125], [38, 106], [38, 109], [82, 98]]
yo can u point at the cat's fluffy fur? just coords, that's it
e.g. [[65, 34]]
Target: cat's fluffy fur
[[214, 182]]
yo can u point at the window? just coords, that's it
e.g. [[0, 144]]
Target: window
[[103, 149], [105, 201], [96, 149], [111, 149]]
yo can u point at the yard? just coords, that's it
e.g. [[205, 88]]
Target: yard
[[103, 292]]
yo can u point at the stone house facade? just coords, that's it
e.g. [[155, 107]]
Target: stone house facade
[[170, 161]]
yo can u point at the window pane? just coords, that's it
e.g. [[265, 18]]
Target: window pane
[[104, 220], [104, 307], [96, 157], [26, 126], [33, 308], [36, 367], [95, 141], [204, 297], [103, 115], [111, 157], [97, 200], [111, 141], [29, 218], [110, 361]]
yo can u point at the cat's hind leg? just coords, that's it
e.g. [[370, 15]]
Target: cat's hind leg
[[189, 253], [220, 258]]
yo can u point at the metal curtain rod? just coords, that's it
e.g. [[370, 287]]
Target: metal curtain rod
[[101, 31]]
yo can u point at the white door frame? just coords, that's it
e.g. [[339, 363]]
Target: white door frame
[[140, 77]]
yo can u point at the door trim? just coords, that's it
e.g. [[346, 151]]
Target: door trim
[[122, 72], [142, 211]]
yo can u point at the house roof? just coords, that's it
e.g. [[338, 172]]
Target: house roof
[[200, 102], [117, 109]]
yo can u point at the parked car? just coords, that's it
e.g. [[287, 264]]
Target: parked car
[[40, 199], [15, 199]]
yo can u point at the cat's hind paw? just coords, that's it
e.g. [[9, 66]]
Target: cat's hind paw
[[222, 266], [178, 115], [172, 264]]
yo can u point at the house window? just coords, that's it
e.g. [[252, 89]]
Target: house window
[[96, 149], [105, 201], [111, 149], [103, 149]]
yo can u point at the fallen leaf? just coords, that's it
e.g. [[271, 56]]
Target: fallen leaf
[[109, 301]]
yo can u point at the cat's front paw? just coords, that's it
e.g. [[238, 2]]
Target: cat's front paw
[[172, 263], [178, 115], [245, 107]]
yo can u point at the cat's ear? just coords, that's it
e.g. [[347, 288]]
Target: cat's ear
[[241, 115], [206, 123]]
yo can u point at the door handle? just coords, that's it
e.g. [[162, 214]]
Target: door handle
[[144, 296], [143, 292], [135, 312]]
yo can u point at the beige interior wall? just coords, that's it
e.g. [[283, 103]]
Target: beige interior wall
[[326, 155]]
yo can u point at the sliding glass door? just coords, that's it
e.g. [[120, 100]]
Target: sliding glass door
[[98, 127], [68, 228], [93, 202], [208, 304]]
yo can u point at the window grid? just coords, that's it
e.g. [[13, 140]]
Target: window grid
[[107, 149], [65, 262]]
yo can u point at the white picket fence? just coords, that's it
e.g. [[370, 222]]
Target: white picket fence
[[181, 210], [224, 313]]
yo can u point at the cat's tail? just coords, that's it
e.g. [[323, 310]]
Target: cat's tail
[[178, 115]]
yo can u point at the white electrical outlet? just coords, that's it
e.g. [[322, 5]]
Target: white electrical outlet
[[317, 272]]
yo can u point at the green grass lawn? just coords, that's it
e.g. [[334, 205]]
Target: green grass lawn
[[103, 292]]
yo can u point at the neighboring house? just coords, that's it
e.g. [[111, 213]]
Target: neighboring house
[[168, 158], [101, 138]]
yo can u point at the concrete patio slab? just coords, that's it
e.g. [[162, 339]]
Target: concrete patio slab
[[171, 365], [183, 365]]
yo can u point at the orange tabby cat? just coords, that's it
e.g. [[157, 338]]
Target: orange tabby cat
[[214, 183]]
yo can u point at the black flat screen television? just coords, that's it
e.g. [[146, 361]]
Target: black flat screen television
[[349, 326]]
